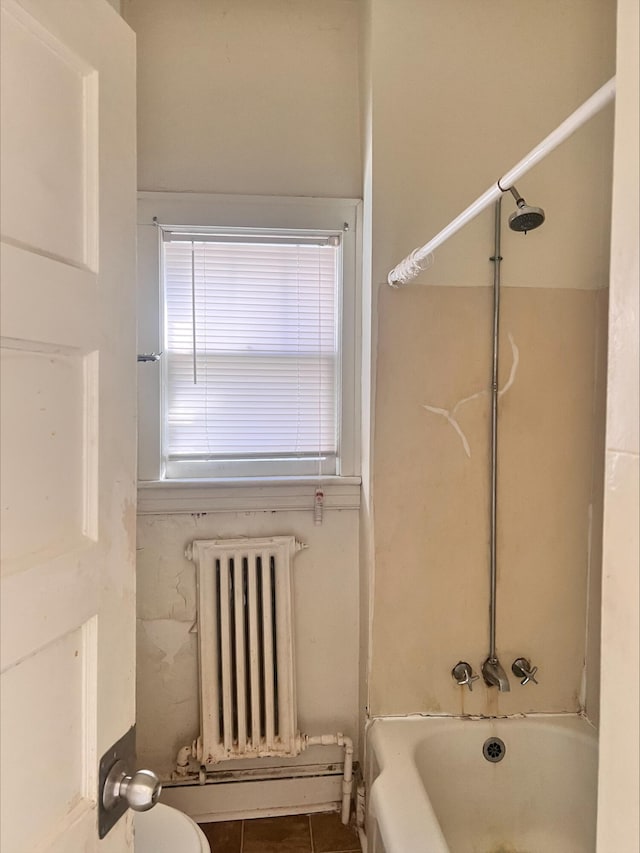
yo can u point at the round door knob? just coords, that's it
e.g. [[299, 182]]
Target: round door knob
[[140, 790]]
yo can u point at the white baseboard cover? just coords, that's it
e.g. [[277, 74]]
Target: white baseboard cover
[[264, 798]]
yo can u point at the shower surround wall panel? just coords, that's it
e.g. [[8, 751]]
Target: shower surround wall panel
[[430, 473], [438, 576]]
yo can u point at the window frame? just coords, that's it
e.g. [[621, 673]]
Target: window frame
[[243, 212]]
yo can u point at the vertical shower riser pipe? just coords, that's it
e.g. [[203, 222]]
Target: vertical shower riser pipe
[[494, 430]]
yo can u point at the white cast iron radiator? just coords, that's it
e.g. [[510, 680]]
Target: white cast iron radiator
[[245, 642]]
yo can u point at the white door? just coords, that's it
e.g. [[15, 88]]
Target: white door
[[68, 416]]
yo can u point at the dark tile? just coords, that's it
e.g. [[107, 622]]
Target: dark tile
[[331, 836], [277, 835], [225, 836]]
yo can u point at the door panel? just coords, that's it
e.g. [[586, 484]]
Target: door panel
[[68, 416], [46, 482], [49, 191], [54, 717]]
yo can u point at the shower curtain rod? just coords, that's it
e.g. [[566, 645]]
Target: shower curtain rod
[[418, 260]]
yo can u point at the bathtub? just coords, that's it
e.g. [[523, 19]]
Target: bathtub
[[430, 788]]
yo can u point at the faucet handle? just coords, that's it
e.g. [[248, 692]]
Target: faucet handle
[[523, 669], [463, 674]]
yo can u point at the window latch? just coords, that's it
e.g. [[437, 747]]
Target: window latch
[[149, 356]]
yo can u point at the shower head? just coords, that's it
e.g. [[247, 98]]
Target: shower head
[[525, 218]]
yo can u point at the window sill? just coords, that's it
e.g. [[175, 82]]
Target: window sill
[[159, 497]]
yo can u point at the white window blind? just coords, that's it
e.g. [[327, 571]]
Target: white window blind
[[251, 343]]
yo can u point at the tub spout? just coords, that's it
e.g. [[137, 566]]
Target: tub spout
[[494, 675]]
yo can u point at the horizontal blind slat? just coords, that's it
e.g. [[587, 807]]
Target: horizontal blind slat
[[266, 356]]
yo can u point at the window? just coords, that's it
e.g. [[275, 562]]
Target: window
[[255, 303], [251, 346]]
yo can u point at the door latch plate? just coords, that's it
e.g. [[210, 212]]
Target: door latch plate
[[123, 750]]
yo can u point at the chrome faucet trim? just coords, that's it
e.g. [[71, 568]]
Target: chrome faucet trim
[[463, 674], [522, 668], [494, 675]]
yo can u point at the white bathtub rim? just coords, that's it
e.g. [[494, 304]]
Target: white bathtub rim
[[529, 715], [395, 800]]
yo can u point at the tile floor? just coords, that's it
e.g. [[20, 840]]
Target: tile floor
[[316, 833]]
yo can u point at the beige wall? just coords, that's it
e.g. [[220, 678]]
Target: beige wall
[[618, 824], [460, 93], [258, 97]]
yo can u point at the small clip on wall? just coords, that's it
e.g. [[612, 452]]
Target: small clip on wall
[[318, 507]]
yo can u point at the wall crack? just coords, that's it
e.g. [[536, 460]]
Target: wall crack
[[450, 414], [179, 592]]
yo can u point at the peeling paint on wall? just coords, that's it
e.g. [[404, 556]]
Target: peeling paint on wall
[[168, 636], [180, 592]]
